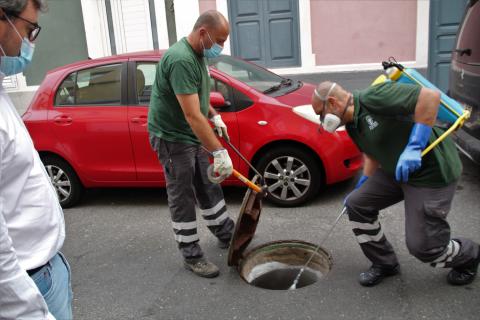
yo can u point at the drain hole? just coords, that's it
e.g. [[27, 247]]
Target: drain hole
[[277, 276], [275, 266]]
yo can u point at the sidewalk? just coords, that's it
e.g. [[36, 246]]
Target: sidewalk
[[21, 100], [349, 80]]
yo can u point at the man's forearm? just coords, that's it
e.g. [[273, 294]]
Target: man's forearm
[[426, 108], [190, 105], [204, 132]]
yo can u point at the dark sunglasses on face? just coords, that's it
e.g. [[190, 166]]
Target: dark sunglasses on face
[[34, 30]]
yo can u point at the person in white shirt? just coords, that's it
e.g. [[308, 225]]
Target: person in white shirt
[[34, 276]]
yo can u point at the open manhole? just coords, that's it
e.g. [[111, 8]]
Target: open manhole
[[273, 265]]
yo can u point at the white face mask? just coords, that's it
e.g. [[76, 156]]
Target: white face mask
[[13, 65], [331, 121]]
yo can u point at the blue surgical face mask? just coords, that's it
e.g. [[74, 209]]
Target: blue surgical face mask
[[214, 51], [13, 65]]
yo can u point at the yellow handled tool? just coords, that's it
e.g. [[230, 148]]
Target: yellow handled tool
[[452, 128], [218, 179], [249, 183]]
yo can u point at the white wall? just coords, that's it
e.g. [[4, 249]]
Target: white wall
[[132, 27], [222, 7], [96, 28], [186, 13], [161, 24], [423, 20]]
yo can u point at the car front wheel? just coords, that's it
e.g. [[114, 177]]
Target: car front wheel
[[64, 180], [292, 176]]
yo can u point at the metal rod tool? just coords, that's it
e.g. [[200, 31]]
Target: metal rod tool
[[227, 140], [295, 282]]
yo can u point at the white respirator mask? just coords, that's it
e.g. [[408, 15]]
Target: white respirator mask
[[331, 121]]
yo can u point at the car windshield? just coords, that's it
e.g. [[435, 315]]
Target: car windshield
[[254, 76]]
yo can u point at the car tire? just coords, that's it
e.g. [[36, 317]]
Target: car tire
[[64, 179], [288, 185]]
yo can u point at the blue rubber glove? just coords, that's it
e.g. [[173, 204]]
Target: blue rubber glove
[[360, 181], [411, 158]]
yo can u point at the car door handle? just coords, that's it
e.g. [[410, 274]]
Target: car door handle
[[140, 120], [63, 120]]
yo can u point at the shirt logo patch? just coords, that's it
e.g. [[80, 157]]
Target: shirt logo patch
[[372, 124]]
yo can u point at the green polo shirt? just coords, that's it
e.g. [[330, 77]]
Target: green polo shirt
[[382, 121], [180, 71]]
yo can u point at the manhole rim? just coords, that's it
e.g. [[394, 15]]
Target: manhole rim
[[278, 244]]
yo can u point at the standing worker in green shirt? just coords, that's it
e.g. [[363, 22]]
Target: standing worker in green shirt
[[178, 126], [392, 124]]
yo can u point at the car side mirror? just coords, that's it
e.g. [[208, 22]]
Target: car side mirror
[[217, 100]]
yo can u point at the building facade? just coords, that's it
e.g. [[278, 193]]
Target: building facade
[[286, 36]]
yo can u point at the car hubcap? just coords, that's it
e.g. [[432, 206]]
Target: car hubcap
[[60, 182], [287, 178]]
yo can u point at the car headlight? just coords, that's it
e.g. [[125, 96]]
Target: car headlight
[[306, 112]]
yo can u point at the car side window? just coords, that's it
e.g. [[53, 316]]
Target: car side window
[[144, 78], [66, 91], [99, 85], [225, 90], [241, 100], [236, 99]]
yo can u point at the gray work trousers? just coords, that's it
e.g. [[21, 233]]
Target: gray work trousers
[[426, 228], [185, 167]]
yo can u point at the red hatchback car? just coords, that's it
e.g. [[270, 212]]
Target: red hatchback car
[[88, 121]]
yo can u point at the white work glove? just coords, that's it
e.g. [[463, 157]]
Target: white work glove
[[220, 126], [222, 164]]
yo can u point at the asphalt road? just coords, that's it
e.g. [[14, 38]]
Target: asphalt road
[[126, 265]]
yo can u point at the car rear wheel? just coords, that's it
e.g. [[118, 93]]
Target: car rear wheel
[[292, 176], [64, 180]]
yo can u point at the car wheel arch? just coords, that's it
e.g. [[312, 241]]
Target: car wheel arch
[[282, 144], [44, 154], [73, 191], [302, 155]]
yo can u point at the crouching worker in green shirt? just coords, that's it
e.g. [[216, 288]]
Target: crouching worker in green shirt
[[392, 124], [178, 126]]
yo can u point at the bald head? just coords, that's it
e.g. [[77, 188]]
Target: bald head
[[211, 27], [330, 89], [332, 98], [211, 20]]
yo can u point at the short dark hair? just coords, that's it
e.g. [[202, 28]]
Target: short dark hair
[[16, 7], [211, 19]]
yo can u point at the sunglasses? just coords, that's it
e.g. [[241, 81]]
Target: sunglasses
[[34, 31]]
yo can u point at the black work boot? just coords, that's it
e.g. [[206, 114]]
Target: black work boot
[[375, 275], [201, 267], [465, 274]]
